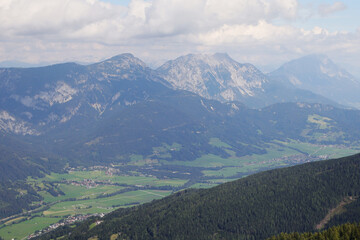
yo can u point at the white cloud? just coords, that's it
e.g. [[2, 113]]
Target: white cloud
[[327, 9], [251, 11], [73, 19], [260, 32], [138, 8], [257, 31], [40, 18]]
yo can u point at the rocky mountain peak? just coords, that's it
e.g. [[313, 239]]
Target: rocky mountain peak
[[213, 76], [319, 74], [119, 63], [222, 56], [125, 58]]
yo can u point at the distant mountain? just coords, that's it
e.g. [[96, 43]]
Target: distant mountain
[[256, 207], [221, 78], [18, 64], [107, 111], [214, 76], [317, 73]]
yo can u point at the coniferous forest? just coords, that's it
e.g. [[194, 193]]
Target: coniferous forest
[[343, 232]]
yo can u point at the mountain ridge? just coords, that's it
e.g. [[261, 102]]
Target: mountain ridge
[[222, 78], [115, 92]]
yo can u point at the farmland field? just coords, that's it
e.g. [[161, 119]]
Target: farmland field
[[21, 230]]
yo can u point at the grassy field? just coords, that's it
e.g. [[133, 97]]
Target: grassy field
[[277, 155], [322, 122], [210, 160], [79, 192], [103, 205], [63, 209], [320, 150], [84, 198], [98, 175], [23, 229]]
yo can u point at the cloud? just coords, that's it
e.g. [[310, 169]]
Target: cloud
[[328, 9], [81, 19], [256, 31], [56, 19]]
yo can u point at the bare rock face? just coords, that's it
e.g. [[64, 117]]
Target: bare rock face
[[214, 76]]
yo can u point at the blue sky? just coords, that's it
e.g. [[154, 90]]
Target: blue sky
[[119, 2], [265, 33], [347, 19]]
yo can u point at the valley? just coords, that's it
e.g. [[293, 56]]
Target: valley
[[258, 206], [82, 192]]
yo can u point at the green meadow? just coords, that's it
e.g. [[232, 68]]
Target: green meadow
[[23, 229]]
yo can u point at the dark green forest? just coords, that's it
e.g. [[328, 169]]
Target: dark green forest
[[343, 232], [293, 199]]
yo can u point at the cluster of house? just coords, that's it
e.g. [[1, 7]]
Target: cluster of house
[[88, 183], [67, 221]]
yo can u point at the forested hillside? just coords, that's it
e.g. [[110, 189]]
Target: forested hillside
[[342, 232], [256, 207]]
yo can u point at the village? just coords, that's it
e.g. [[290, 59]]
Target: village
[[67, 221]]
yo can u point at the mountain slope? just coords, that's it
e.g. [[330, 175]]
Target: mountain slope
[[342, 232], [255, 207], [317, 73], [191, 121], [50, 96]]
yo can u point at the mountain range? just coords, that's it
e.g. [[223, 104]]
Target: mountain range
[[221, 78], [107, 111], [36, 99], [120, 107]]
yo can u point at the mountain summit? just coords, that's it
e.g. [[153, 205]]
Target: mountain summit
[[317, 73]]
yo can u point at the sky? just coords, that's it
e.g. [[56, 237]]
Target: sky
[[266, 33]]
